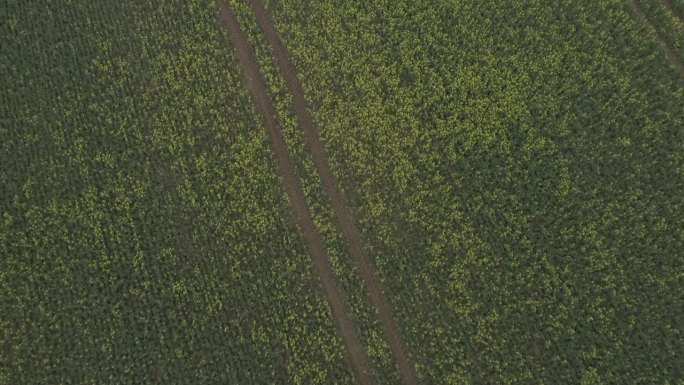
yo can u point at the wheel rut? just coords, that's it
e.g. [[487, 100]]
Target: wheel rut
[[345, 222], [641, 16], [255, 83]]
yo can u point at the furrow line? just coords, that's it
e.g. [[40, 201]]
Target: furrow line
[[256, 85], [345, 222]]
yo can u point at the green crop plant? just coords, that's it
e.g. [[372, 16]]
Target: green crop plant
[[516, 171], [144, 235]]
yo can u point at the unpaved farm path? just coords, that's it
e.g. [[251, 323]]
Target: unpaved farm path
[[679, 66], [345, 222], [257, 87]]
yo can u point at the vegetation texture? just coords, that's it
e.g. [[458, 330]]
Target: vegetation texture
[[515, 168], [144, 235]]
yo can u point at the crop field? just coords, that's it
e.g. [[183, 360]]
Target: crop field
[[518, 175], [342, 192], [145, 235]]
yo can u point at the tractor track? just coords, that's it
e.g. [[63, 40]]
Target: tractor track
[[255, 83], [641, 16], [345, 222]]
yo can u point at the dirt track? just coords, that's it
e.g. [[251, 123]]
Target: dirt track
[[674, 60], [257, 87], [345, 222]]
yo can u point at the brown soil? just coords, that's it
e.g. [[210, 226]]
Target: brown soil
[[674, 60], [259, 91], [345, 222]]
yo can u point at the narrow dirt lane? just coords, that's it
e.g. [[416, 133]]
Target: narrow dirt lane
[[257, 87], [345, 222], [639, 13]]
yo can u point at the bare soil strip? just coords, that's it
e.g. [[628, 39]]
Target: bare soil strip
[[257, 87], [345, 222], [670, 7], [679, 66]]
